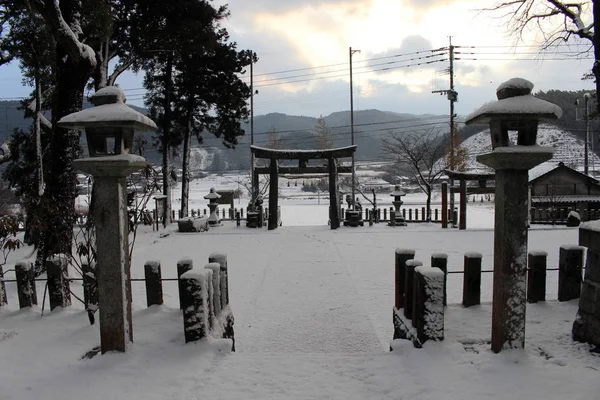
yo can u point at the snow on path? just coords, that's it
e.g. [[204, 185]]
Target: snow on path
[[305, 302]]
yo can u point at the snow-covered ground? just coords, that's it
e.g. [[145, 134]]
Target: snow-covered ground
[[313, 320]]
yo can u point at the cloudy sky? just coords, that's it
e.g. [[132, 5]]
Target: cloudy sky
[[303, 49]]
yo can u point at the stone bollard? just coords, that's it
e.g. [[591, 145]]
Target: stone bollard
[[194, 297], [385, 214], [216, 283], [153, 279], [570, 272], [392, 218], [410, 214], [472, 280], [423, 214], [428, 315], [416, 214], [440, 260], [409, 286], [3, 299], [184, 265], [401, 257], [25, 277], [58, 282], [90, 287], [210, 298], [586, 327], [221, 259], [536, 276]]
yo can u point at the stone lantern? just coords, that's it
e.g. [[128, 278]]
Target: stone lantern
[[109, 127], [518, 111], [212, 197], [397, 194]]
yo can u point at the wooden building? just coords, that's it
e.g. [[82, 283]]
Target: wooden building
[[557, 191]]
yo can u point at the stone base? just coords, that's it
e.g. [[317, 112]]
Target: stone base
[[193, 224], [586, 328]]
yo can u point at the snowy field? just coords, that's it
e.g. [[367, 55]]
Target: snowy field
[[313, 320]]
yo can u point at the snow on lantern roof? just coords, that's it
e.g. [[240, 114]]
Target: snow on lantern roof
[[212, 195], [397, 191], [109, 110], [514, 101]]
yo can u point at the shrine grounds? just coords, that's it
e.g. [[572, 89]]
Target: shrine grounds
[[313, 320]]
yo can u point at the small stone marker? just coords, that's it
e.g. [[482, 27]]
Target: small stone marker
[[409, 286], [428, 316], [58, 283], [25, 277], [401, 257], [472, 279], [195, 304], [153, 279], [570, 272], [184, 265], [536, 276]]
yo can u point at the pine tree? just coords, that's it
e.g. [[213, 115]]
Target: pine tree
[[322, 134]]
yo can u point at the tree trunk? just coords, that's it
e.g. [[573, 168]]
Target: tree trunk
[[428, 205], [60, 194], [166, 148], [596, 67], [185, 178]]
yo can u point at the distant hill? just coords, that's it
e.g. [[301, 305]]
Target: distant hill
[[568, 147]]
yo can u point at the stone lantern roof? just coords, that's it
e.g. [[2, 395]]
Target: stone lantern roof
[[514, 101], [212, 195], [397, 192], [109, 110]]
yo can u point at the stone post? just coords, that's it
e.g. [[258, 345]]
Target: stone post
[[59, 291], [409, 280], [184, 265], [516, 110], [112, 232], [195, 304], [216, 282], [153, 279], [440, 260], [445, 205], [401, 257], [90, 287], [221, 259], [3, 299], [570, 272], [428, 315], [25, 277], [536, 276], [462, 220], [586, 327], [472, 280]]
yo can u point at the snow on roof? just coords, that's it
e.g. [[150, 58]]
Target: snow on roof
[[519, 105], [542, 169], [566, 198]]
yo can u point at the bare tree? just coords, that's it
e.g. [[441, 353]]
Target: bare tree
[[557, 21], [273, 139], [418, 153], [322, 134]]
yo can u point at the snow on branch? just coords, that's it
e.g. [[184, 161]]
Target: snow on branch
[[63, 33]]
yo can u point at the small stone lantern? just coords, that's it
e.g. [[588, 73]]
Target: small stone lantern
[[212, 197], [516, 110], [397, 194], [109, 127]]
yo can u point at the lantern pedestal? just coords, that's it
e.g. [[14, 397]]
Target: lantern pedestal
[[112, 260], [510, 240]]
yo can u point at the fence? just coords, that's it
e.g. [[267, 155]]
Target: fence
[[419, 291], [203, 294], [558, 215]]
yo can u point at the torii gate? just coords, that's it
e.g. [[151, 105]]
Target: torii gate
[[331, 155]]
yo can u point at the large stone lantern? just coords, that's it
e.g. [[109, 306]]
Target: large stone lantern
[[213, 197], [109, 127], [518, 111], [397, 195]]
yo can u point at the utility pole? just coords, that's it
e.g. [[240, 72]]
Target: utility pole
[[254, 178], [452, 96], [350, 52]]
